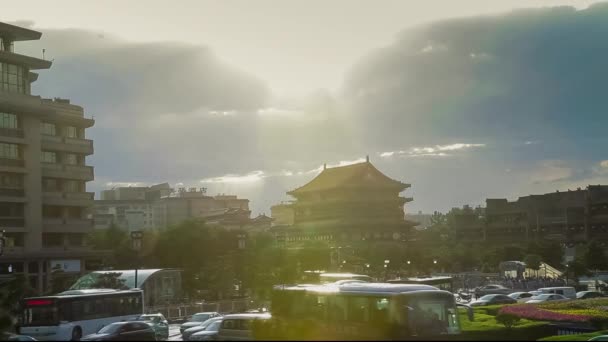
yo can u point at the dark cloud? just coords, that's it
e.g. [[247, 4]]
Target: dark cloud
[[528, 75], [174, 112]]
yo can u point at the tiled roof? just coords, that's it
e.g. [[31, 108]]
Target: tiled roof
[[355, 175]]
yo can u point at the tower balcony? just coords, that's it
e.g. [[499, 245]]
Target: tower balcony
[[65, 144]]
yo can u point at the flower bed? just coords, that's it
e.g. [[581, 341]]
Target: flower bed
[[533, 312]]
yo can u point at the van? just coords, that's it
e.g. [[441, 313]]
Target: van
[[237, 327], [566, 291]]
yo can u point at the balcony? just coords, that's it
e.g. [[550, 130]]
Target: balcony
[[78, 172], [12, 222], [64, 144], [11, 135], [12, 165], [66, 225], [76, 199], [12, 195]]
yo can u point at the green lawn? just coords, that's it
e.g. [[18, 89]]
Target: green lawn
[[486, 322]]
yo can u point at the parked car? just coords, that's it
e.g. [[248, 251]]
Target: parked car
[[12, 337], [588, 294], [520, 295], [493, 299], [546, 297], [197, 319], [237, 327], [210, 332], [567, 291], [599, 338], [158, 323], [123, 331], [491, 289], [201, 327]]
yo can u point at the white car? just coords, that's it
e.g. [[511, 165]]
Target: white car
[[521, 295], [547, 297]]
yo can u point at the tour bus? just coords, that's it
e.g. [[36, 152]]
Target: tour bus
[[443, 283], [363, 311], [320, 277], [76, 313]]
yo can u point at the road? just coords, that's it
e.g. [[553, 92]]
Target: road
[[174, 334]]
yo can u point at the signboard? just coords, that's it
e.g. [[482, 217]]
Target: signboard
[[66, 265]]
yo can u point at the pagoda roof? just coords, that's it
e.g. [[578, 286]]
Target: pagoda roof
[[350, 176]]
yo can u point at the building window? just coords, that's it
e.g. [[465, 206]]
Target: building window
[[13, 78], [13, 181], [71, 159], [8, 120], [9, 151], [71, 186], [48, 157], [71, 132], [49, 185], [48, 128], [52, 239]]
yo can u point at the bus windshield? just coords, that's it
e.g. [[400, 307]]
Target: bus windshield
[[40, 313]]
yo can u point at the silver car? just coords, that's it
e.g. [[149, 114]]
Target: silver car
[[197, 319], [187, 334]]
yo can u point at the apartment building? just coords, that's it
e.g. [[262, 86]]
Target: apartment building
[[43, 172]]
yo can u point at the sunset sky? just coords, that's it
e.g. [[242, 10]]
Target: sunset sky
[[465, 100]]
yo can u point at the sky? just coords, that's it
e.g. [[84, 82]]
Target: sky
[[465, 100]]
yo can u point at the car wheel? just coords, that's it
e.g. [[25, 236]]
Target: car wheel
[[76, 334]]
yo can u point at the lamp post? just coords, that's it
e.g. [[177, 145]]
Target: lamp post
[[2, 241], [408, 271], [136, 240], [434, 264], [386, 262]]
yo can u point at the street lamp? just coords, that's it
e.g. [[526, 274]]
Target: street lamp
[[386, 262], [2, 241], [136, 240]]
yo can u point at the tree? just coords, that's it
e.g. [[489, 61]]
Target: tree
[[110, 281], [595, 257], [507, 319], [533, 261]]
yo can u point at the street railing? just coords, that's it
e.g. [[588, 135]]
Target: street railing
[[177, 312]]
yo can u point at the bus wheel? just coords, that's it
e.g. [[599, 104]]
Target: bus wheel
[[76, 334]]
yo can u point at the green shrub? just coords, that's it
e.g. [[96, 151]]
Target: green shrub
[[507, 319]]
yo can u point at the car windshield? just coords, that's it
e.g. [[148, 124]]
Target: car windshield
[[200, 317], [154, 319], [542, 296], [110, 329], [214, 326], [488, 297]]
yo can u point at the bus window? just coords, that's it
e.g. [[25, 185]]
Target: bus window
[[358, 309], [336, 308], [380, 308]]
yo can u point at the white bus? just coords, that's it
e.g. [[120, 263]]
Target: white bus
[[363, 311], [72, 314]]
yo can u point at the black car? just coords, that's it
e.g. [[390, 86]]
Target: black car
[[588, 294], [123, 331]]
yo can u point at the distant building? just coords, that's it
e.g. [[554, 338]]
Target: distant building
[[159, 207], [43, 172], [569, 217], [351, 205], [283, 214], [423, 220], [130, 208]]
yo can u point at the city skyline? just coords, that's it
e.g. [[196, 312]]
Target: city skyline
[[462, 111]]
